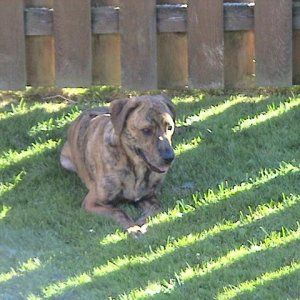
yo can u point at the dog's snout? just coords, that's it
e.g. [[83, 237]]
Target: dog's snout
[[168, 155]]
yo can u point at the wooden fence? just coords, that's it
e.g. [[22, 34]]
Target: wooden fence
[[148, 44]]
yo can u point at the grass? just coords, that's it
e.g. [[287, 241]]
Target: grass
[[231, 204]]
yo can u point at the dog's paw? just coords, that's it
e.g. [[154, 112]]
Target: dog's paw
[[137, 230]]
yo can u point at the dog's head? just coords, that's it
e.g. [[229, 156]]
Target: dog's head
[[145, 126]]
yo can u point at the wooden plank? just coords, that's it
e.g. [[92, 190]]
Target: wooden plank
[[40, 60], [296, 57], [38, 21], [273, 28], [239, 44], [138, 44], [239, 55], [73, 43], [38, 3], [172, 51], [296, 16], [105, 20], [12, 45], [106, 59], [106, 47], [105, 2], [171, 17], [206, 46], [172, 60], [39, 42], [296, 42], [238, 16]]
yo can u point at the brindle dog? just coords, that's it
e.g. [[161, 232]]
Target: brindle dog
[[122, 153]]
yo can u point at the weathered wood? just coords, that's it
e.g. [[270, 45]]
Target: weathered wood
[[239, 55], [40, 60], [138, 44], [296, 57], [170, 18], [38, 21], [106, 59], [296, 15], [105, 20], [73, 45], [39, 42], [106, 47], [206, 46], [273, 28], [12, 45], [238, 16], [172, 65], [239, 43], [106, 2], [296, 42]]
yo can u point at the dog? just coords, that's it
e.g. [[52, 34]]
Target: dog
[[122, 153]]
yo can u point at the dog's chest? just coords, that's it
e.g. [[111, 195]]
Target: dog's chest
[[137, 186]]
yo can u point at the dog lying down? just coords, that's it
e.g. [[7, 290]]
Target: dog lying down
[[122, 153]]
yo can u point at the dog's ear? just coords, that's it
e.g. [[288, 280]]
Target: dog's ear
[[120, 109], [170, 105]]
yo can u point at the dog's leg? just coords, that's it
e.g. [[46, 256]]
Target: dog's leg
[[149, 207], [90, 204], [66, 158]]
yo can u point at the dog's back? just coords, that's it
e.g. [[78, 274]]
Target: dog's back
[[73, 155]]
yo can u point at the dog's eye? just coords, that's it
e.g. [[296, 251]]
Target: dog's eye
[[147, 131], [169, 127]]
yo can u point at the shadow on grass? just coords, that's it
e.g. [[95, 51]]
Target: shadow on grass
[[218, 149], [45, 220], [210, 283], [277, 285], [197, 254], [17, 127]]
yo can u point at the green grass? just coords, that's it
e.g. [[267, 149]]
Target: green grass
[[231, 205]]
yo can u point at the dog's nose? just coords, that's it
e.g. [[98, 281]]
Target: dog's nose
[[168, 155]]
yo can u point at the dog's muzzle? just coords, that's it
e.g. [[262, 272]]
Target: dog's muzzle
[[168, 158]]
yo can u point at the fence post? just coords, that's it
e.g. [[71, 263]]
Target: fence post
[[73, 42], [273, 29], [138, 44], [206, 43], [12, 45]]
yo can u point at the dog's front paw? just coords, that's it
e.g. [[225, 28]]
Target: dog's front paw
[[137, 230]]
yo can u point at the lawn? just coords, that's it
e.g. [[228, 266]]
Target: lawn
[[231, 205]]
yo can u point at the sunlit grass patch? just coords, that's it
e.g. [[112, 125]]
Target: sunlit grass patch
[[166, 286], [54, 123], [183, 147], [232, 292], [224, 192], [114, 238], [213, 111], [12, 157], [217, 109], [22, 108], [8, 186], [4, 211], [28, 266], [272, 112], [173, 245]]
